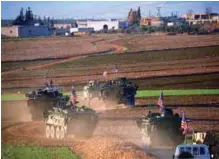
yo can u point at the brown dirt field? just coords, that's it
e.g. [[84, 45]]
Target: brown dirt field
[[28, 78], [160, 42], [32, 81], [59, 47], [34, 75]]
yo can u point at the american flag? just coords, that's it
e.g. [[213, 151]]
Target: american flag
[[160, 102], [184, 124], [105, 74]]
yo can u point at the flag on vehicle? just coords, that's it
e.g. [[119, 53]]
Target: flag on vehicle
[[115, 70], [105, 74], [160, 102], [184, 124]]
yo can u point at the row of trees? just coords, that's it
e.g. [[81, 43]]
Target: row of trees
[[30, 19]]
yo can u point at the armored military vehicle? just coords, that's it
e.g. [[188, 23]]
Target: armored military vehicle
[[161, 129], [118, 91], [70, 119], [44, 99]]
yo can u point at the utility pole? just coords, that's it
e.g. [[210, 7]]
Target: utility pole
[[158, 11], [149, 14]]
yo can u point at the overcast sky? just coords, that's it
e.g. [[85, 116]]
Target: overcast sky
[[74, 9]]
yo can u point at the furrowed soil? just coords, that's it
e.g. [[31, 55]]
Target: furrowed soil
[[183, 68], [57, 47]]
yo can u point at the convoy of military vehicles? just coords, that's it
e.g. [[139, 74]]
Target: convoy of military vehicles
[[62, 117]]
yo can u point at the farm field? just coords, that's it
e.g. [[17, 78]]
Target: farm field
[[185, 68], [178, 65]]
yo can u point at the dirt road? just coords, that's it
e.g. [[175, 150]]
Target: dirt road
[[116, 127]]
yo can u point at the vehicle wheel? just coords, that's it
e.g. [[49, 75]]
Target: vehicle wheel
[[52, 132], [48, 132], [146, 141], [57, 132], [62, 132]]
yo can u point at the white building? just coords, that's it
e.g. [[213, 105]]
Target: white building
[[25, 31], [101, 25]]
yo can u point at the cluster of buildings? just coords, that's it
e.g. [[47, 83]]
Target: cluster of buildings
[[90, 25], [191, 19]]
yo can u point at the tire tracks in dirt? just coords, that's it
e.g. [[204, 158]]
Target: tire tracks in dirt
[[115, 48]]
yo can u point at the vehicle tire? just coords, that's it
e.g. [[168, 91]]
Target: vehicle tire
[[185, 155], [48, 131], [58, 132], [146, 141], [52, 132], [62, 132]]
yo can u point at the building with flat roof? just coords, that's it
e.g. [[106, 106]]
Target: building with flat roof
[[105, 25], [25, 31], [201, 18]]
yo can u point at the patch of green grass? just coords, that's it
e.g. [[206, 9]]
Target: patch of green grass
[[10, 97], [36, 152], [140, 93], [151, 93]]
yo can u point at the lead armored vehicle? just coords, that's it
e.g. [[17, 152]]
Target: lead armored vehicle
[[42, 100], [119, 91], [161, 129], [68, 119]]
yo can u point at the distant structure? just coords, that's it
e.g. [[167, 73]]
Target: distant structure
[[25, 31], [152, 21], [63, 23], [91, 25], [134, 16], [194, 18]]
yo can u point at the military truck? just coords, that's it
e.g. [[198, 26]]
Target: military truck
[[161, 129], [42, 100], [119, 91], [70, 120]]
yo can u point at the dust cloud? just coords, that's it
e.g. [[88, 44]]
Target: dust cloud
[[15, 111]]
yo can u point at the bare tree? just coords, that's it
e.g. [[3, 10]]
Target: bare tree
[[190, 11], [208, 10]]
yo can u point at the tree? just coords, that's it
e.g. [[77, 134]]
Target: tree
[[139, 13], [190, 11], [20, 18], [40, 21], [44, 20], [208, 10], [29, 20]]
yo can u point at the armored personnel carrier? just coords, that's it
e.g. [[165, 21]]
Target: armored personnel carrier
[[42, 100], [70, 119], [161, 129], [117, 91]]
